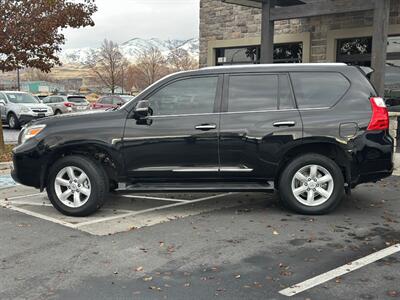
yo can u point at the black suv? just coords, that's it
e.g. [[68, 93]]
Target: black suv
[[310, 131]]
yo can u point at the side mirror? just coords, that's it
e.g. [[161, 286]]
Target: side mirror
[[2, 102], [142, 109]]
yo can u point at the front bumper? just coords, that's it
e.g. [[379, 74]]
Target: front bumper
[[26, 118], [28, 164]]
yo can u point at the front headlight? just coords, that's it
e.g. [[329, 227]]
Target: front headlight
[[25, 109], [30, 132]]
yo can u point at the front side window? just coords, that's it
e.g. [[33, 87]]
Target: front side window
[[186, 96], [318, 89], [252, 93], [2, 97]]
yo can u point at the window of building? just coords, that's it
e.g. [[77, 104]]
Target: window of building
[[252, 92], [357, 51], [186, 96], [283, 53], [319, 89]]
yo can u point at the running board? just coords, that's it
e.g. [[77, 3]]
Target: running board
[[196, 187]]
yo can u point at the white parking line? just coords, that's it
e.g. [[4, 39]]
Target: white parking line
[[154, 198], [151, 210], [40, 216], [24, 196], [362, 262]]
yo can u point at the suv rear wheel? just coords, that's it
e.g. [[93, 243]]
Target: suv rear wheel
[[312, 184], [77, 186]]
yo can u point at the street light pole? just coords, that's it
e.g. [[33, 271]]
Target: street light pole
[[18, 80]]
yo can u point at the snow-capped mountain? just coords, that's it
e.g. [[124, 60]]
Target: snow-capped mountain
[[131, 48]]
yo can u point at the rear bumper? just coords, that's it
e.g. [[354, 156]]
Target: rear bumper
[[375, 160]]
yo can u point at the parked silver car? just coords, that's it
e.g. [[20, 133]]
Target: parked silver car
[[19, 108], [67, 104]]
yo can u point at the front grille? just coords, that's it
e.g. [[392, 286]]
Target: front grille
[[39, 110]]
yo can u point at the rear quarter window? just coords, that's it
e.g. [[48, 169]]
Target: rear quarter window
[[319, 89]]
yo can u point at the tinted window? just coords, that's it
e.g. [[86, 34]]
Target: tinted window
[[285, 93], [57, 100], [117, 101], [77, 99], [253, 92], [317, 90], [106, 100], [47, 100], [187, 96]]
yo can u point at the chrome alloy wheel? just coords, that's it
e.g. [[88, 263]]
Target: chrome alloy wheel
[[72, 187], [312, 185], [12, 121]]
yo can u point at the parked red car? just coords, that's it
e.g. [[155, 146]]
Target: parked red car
[[108, 102]]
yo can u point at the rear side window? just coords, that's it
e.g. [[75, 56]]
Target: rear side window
[[318, 89], [252, 92], [285, 93]]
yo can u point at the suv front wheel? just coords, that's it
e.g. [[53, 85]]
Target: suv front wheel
[[77, 186], [312, 184], [13, 121]]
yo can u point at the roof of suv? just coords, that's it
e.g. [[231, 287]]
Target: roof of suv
[[272, 68]]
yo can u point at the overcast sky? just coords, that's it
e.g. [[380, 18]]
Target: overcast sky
[[121, 20]]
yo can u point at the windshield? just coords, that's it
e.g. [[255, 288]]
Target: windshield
[[21, 98]]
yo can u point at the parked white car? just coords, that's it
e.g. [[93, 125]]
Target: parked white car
[[19, 108]]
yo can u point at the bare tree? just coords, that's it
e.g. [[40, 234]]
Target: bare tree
[[180, 60], [37, 75], [150, 66], [107, 64]]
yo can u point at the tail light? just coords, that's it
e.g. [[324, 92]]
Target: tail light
[[68, 104], [380, 115]]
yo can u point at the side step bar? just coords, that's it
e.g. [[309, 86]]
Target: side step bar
[[196, 187]]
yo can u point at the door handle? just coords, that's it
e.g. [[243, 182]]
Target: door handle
[[285, 124], [206, 127]]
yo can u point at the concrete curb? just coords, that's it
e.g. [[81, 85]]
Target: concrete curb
[[5, 165]]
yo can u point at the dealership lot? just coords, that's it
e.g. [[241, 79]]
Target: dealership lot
[[181, 246]]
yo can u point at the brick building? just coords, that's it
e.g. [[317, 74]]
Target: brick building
[[231, 34]]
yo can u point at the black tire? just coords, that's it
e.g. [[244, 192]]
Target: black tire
[[285, 184], [13, 121], [58, 112], [98, 179]]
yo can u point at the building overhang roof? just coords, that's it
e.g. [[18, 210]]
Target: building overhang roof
[[257, 3], [294, 9]]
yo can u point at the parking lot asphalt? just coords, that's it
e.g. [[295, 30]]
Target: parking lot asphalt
[[235, 246]]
